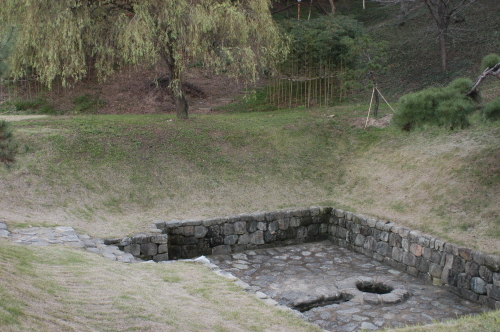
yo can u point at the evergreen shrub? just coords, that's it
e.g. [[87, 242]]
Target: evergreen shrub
[[8, 148], [490, 61], [445, 107], [491, 111]]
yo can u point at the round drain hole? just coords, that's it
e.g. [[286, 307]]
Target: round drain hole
[[374, 287]]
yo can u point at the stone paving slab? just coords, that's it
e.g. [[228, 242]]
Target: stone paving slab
[[309, 271], [65, 235]]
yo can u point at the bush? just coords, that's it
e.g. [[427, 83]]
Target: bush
[[87, 104], [462, 85], [491, 111], [8, 149], [444, 107], [490, 61]]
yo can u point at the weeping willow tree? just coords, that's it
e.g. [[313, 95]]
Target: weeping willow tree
[[65, 39]]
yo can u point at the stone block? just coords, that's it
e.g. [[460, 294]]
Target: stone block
[[450, 277], [162, 248], [416, 249], [240, 227], [458, 264], [384, 236], [160, 257], [295, 222], [405, 244], [370, 243], [492, 262], [323, 228], [269, 237], [134, 249], [230, 239], [160, 224], [359, 240], [413, 236], [397, 254], [472, 269], [494, 292], [115, 240], [465, 253], [126, 241], [412, 271], [496, 279], [339, 213], [439, 245], [451, 248], [469, 295], [371, 222], [188, 230], [365, 230], [228, 229], [478, 257], [478, 285], [191, 222], [403, 232], [356, 228], [200, 231], [423, 265], [436, 256], [261, 226], [486, 274], [378, 257], [257, 237], [251, 226], [273, 226], [258, 216], [312, 230], [380, 225], [424, 240], [140, 238], [409, 259], [159, 239], [349, 215], [244, 238], [149, 249], [301, 232], [435, 270], [394, 240], [283, 224], [384, 249], [463, 281]]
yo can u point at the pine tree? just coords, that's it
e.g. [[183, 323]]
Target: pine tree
[[8, 148]]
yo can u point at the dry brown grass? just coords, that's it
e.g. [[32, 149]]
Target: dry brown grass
[[65, 289]]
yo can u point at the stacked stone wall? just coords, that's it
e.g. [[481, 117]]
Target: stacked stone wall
[[470, 274], [144, 246], [191, 238]]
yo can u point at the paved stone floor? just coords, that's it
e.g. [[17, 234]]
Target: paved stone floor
[[64, 235], [304, 273]]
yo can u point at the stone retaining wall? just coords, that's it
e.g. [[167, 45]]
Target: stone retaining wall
[[470, 274], [147, 247], [191, 238]]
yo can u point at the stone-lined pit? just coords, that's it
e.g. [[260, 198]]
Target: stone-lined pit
[[322, 281]]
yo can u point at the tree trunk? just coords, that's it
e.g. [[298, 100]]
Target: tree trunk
[[176, 87], [442, 45], [333, 6]]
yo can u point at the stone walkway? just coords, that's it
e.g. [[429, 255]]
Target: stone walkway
[[62, 235], [320, 280]]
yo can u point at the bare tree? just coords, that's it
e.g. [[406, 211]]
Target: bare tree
[[442, 12]]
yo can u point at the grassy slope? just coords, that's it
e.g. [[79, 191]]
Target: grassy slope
[[65, 289], [114, 175], [414, 55]]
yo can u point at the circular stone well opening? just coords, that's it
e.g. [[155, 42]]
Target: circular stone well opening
[[374, 287]]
